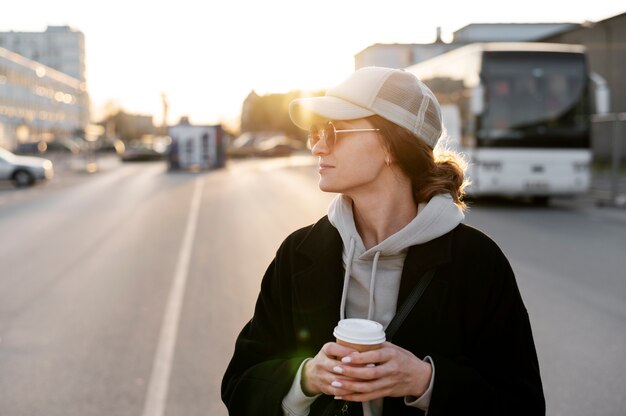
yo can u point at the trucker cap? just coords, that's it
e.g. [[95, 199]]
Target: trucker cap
[[394, 94]]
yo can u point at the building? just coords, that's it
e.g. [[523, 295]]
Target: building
[[605, 43], [59, 47], [38, 102], [507, 32], [606, 48], [404, 55], [61, 50], [130, 127], [399, 55]]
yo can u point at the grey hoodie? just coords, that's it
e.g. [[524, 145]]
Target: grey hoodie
[[372, 277]]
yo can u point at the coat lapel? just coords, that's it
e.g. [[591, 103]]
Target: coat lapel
[[421, 258], [318, 282]]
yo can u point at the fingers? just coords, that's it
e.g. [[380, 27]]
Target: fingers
[[388, 371], [368, 383], [355, 381], [378, 356], [336, 388], [332, 349], [320, 372], [360, 391], [345, 373]]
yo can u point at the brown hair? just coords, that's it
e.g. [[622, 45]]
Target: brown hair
[[431, 172]]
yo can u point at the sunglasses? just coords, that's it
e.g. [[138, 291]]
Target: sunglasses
[[329, 134]]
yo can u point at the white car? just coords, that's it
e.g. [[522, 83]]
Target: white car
[[24, 170]]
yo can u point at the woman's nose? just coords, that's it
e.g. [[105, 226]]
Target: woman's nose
[[320, 148]]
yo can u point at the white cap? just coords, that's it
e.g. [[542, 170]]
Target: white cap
[[393, 94], [360, 331]]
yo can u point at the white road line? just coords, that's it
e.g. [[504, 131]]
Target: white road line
[[159, 379]]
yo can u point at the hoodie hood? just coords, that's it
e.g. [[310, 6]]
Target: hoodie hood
[[435, 218], [363, 289]]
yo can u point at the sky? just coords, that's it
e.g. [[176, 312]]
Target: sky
[[207, 56]]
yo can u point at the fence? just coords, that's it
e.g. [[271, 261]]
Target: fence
[[616, 120]]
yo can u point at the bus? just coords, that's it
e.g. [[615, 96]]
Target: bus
[[520, 113]]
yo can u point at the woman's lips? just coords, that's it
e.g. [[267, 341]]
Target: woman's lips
[[325, 167]]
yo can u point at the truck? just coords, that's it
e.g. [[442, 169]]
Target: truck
[[196, 147]]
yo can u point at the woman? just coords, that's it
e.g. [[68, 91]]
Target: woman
[[465, 348]]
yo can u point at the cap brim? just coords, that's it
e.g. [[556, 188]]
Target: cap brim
[[305, 112]]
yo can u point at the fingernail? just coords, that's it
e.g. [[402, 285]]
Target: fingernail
[[336, 384], [338, 398], [346, 360], [338, 369]]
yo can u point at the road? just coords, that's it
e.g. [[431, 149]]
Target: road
[[121, 292]]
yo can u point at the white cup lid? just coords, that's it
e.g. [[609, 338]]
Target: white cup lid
[[360, 331]]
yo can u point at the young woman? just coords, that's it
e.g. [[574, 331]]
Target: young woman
[[465, 348]]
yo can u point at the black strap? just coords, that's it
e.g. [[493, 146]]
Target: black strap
[[409, 303]]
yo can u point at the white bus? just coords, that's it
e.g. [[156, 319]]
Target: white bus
[[520, 112]]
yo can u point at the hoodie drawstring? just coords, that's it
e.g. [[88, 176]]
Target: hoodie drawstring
[[346, 280], [370, 308]]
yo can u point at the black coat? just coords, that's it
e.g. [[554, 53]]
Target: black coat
[[471, 320]]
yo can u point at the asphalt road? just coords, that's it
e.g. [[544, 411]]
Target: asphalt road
[[121, 292]]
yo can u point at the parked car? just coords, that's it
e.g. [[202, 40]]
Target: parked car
[[142, 151], [24, 170], [266, 144], [57, 146], [244, 145], [279, 145]]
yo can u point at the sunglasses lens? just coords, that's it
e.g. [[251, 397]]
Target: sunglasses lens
[[314, 136], [329, 134]]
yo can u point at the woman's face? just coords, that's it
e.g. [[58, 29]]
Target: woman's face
[[356, 161]]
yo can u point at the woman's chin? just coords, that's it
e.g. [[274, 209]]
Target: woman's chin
[[326, 187]]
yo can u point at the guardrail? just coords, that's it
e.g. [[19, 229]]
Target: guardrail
[[616, 119]]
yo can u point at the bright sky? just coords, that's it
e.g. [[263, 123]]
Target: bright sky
[[206, 56]]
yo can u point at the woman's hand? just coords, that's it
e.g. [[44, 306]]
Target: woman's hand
[[396, 373], [319, 373]]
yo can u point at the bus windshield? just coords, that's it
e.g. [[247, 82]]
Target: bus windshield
[[534, 99]]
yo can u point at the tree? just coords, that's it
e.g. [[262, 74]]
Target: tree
[[271, 113]]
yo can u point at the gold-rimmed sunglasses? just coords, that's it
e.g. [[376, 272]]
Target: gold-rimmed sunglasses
[[329, 134]]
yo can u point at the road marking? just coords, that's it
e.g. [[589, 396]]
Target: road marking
[[159, 379]]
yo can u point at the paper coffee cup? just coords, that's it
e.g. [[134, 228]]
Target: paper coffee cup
[[360, 334]]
